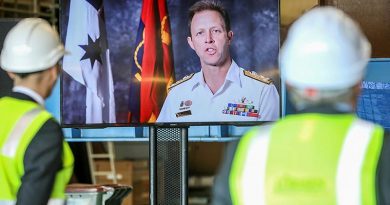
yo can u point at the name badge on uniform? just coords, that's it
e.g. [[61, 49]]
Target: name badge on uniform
[[243, 107], [184, 108]]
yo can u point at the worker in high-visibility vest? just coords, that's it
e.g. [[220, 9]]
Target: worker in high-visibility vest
[[35, 162], [323, 154]]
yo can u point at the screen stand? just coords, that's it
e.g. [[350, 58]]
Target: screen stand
[[168, 165]]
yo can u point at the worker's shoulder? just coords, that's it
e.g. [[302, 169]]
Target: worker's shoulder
[[181, 81], [253, 75], [50, 134]]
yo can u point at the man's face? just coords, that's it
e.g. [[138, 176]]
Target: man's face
[[209, 38]]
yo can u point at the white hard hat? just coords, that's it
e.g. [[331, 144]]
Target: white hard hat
[[324, 49], [32, 45]]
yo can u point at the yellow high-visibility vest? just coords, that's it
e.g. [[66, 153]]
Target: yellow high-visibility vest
[[308, 159], [19, 122]]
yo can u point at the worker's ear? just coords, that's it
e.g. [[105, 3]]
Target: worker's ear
[[11, 75], [356, 89], [53, 73]]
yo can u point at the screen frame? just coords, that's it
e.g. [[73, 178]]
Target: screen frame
[[277, 79]]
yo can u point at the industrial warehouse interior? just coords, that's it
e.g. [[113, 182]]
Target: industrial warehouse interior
[[179, 165]]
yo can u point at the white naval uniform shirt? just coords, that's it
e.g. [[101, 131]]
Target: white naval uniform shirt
[[193, 101]]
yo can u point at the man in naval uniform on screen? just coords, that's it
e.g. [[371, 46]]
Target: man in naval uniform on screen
[[221, 90]]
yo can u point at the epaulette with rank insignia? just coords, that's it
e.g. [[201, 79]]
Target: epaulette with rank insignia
[[258, 77], [187, 77]]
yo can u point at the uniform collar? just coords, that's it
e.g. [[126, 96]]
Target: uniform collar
[[233, 76], [31, 93]]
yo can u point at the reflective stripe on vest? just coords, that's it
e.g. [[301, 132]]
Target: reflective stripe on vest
[[246, 189], [13, 140], [355, 168], [7, 202], [348, 183], [50, 202]]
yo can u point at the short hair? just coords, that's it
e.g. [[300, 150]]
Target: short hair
[[324, 97], [208, 5], [25, 75]]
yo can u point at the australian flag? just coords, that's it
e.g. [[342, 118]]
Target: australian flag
[[89, 61]]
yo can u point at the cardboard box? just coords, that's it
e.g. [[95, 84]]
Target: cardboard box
[[124, 173], [141, 182]]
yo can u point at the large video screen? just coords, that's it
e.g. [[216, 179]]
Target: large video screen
[[134, 62]]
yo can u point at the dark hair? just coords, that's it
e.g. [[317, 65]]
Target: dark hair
[[24, 75], [208, 5]]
